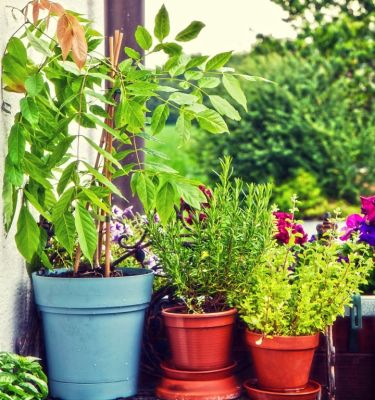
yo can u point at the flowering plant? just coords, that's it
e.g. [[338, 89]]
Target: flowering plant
[[299, 287], [361, 227], [210, 245]]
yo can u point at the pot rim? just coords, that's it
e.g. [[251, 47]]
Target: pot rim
[[282, 337], [169, 311], [56, 271], [169, 367]]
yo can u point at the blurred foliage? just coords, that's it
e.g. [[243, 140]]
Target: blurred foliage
[[317, 117]]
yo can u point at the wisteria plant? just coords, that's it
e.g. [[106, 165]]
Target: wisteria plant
[[66, 86], [300, 287]]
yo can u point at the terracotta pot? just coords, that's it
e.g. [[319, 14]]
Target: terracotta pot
[[282, 363], [198, 385], [199, 341], [311, 392]]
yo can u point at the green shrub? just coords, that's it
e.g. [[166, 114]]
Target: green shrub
[[21, 378], [318, 116]]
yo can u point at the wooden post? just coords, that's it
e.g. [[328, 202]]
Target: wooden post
[[125, 15]]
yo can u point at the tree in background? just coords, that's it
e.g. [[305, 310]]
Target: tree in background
[[318, 117]]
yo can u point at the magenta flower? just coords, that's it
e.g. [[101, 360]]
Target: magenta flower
[[353, 223], [368, 208], [285, 226]]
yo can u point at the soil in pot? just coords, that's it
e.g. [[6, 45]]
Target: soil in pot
[[282, 363], [199, 341]]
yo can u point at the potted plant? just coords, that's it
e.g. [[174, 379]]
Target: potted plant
[[21, 378], [297, 289], [202, 252], [61, 78]]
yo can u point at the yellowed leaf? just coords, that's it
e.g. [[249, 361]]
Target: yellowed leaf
[[64, 35], [45, 4]]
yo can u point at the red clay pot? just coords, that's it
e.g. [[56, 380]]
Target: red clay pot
[[282, 363], [199, 341]]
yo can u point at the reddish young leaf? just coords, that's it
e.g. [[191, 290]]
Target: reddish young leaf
[[57, 9], [79, 44], [45, 4], [64, 35], [35, 11]]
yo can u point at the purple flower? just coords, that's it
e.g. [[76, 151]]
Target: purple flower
[[353, 224], [117, 230], [285, 224], [368, 208], [367, 234], [116, 211], [156, 218], [128, 212]]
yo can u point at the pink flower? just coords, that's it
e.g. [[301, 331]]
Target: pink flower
[[368, 208], [353, 223], [285, 226]]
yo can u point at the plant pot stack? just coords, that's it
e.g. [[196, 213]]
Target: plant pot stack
[[282, 366], [201, 366]]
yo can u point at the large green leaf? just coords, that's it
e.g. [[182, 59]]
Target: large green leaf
[[143, 38], [13, 172], [183, 126], [66, 176], [27, 236], [103, 152], [9, 203], [60, 151], [35, 203], [159, 118], [91, 196], [223, 107], [132, 114], [16, 143], [233, 88], [34, 84], [165, 201], [39, 44], [86, 231], [209, 82], [190, 32], [191, 194], [63, 204], [183, 98], [29, 110], [17, 50], [145, 190], [212, 121], [65, 230], [218, 61], [162, 26]]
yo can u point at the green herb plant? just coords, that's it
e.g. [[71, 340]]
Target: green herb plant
[[21, 378], [204, 253], [301, 289], [61, 78]]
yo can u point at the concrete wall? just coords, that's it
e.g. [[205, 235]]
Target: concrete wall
[[14, 281]]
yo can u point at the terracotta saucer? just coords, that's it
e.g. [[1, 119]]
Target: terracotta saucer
[[171, 372], [198, 385], [311, 392]]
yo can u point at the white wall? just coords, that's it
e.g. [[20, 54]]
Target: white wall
[[14, 281]]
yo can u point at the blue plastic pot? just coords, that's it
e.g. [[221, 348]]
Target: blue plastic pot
[[92, 332]]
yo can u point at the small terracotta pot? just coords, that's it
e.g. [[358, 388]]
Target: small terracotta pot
[[199, 341], [282, 363]]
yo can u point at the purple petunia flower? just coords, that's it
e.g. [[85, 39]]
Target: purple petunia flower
[[353, 224], [367, 234]]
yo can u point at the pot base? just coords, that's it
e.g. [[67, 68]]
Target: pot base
[[311, 392], [218, 384]]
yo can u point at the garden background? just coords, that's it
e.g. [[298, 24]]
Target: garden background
[[310, 131]]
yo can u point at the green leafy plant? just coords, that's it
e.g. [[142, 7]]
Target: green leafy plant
[[62, 78], [204, 252], [21, 378], [300, 289]]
